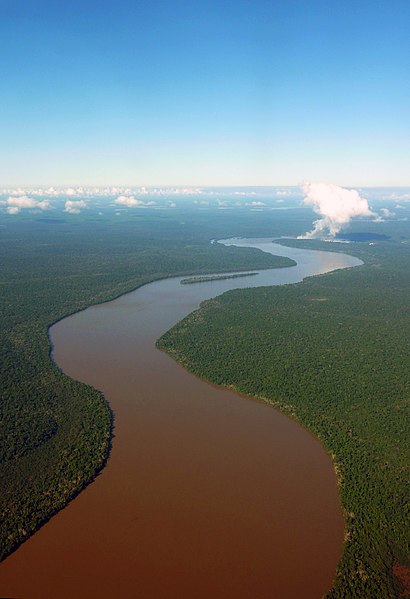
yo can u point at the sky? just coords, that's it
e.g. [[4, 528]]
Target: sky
[[205, 92]]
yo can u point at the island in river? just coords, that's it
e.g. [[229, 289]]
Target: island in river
[[207, 279]]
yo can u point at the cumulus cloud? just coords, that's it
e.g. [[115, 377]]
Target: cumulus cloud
[[15, 192], [13, 210], [398, 196], [255, 204], [22, 202], [129, 201], [384, 213], [336, 207], [44, 205], [74, 206], [15, 204]]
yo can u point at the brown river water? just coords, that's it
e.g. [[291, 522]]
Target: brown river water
[[206, 494]]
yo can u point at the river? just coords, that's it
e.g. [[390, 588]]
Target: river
[[206, 494]]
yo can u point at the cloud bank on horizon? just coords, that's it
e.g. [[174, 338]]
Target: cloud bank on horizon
[[336, 207], [72, 200]]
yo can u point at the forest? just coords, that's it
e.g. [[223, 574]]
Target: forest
[[55, 433], [333, 353]]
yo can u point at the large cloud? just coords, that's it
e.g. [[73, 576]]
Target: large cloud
[[74, 207], [336, 207], [132, 202], [129, 201], [22, 202], [15, 204]]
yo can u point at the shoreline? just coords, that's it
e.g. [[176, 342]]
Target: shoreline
[[109, 404]]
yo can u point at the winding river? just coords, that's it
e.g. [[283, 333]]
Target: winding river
[[206, 494]]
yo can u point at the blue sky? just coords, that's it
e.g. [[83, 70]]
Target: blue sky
[[204, 93]]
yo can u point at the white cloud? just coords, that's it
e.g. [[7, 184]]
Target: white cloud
[[255, 204], [387, 213], [44, 205], [130, 202], [51, 192], [16, 192], [74, 207], [335, 205], [15, 204], [398, 196], [244, 193], [22, 202], [284, 194]]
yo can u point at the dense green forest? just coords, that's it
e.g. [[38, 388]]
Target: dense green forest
[[334, 353], [54, 432]]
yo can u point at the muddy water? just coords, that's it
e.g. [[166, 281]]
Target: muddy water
[[206, 494]]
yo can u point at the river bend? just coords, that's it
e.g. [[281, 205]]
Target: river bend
[[206, 494]]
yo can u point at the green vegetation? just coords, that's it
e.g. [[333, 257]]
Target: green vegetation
[[332, 352], [192, 280], [55, 432]]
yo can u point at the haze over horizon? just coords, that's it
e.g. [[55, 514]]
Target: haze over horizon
[[205, 93]]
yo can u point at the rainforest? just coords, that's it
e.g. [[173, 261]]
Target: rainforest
[[331, 352]]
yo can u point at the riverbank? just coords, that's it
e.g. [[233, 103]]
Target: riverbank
[[108, 358], [56, 432], [333, 353]]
